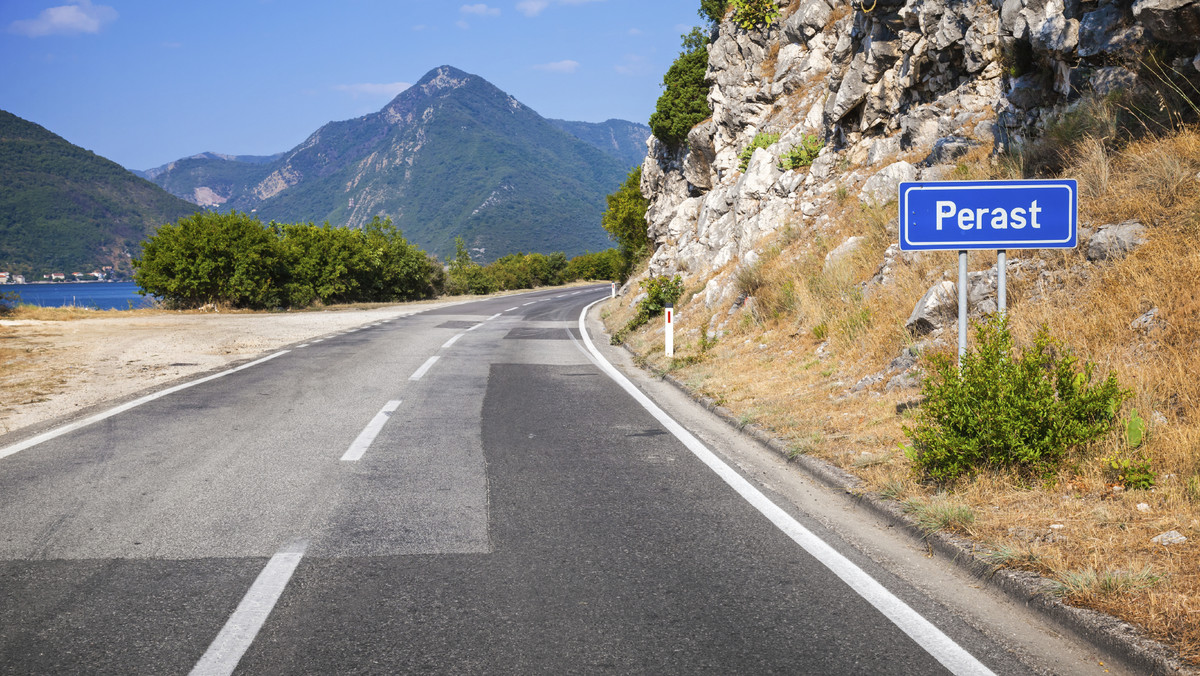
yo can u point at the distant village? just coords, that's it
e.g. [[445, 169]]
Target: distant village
[[102, 275]]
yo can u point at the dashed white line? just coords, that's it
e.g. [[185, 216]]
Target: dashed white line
[[47, 436], [454, 340], [319, 340], [424, 369], [227, 648], [511, 309], [363, 442], [475, 327], [300, 346], [952, 656], [529, 303], [498, 314]]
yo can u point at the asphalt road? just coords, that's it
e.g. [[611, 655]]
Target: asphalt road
[[463, 490]]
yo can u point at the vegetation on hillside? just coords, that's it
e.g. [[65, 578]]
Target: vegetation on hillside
[[811, 349], [625, 222], [65, 209], [684, 101]]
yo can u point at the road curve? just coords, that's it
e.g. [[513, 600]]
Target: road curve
[[463, 490]]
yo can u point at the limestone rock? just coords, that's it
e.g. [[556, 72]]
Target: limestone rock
[[885, 185], [842, 252], [1116, 240], [1169, 20], [936, 307], [1171, 537]]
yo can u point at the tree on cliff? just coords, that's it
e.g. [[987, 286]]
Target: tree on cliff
[[684, 101]]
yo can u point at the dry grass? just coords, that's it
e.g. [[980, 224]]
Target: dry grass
[[811, 333]]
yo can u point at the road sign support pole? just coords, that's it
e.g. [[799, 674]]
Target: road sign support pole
[[1002, 281], [962, 305]]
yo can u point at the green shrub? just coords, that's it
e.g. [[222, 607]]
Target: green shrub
[[761, 140], [684, 101], [625, 222], [714, 10], [226, 259], [8, 303], [233, 259], [802, 154], [660, 292], [465, 275], [750, 14], [1002, 410], [1131, 474], [607, 265]]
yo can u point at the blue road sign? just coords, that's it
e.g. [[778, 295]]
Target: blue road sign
[[961, 215]]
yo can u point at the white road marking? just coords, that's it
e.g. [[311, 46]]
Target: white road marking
[[511, 309], [454, 340], [952, 656], [363, 442], [319, 340], [231, 643], [57, 432], [475, 327], [561, 295], [529, 303], [498, 314], [300, 346], [424, 369]]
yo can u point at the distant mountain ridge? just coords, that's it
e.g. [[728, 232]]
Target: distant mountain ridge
[[451, 155], [65, 209]]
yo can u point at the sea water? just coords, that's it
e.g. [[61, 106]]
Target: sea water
[[98, 295]]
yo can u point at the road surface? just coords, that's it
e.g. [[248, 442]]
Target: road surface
[[464, 490]]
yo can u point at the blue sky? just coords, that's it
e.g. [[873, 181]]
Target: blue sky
[[145, 82]]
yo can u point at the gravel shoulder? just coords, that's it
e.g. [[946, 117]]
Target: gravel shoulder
[[52, 369]]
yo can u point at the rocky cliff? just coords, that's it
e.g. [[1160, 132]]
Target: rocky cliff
[[896, 90]]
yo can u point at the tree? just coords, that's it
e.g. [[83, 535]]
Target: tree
[[467, 276], [684, 101], [625, 221], [226, 259]]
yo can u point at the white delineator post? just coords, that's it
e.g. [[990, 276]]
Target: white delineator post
[[614, 290], [669, 313]]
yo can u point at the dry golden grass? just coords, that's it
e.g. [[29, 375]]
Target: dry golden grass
[[811, 333]]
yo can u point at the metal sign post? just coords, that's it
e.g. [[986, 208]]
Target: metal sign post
[[987, 215]]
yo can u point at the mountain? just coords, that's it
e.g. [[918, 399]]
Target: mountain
[[622, 139], [451, 155], [66, 209]]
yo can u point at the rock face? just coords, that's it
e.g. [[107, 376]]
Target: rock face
[[895, 93]]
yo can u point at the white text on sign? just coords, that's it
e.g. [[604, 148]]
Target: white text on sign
[[996, 219]]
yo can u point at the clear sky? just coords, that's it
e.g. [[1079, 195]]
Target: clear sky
[[145, 82]]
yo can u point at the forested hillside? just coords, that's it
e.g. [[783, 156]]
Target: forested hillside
[[66, 209]]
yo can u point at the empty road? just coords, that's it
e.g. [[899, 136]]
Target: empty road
[[470, 489]]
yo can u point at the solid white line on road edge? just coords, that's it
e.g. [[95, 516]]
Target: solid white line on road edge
[[363, 442], [454, 340], [424, 369], [922, 631], [231, 643], [59, 431]]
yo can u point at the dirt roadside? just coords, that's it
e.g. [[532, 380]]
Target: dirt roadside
[[48, 369]]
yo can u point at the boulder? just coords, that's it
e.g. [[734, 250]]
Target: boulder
[[1169, 20], [842, 252], [1104, 81], [938, 306], [809, 18], [697, 164], [885, 186], [1115, 240], [1103, 31], [761, 174]]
